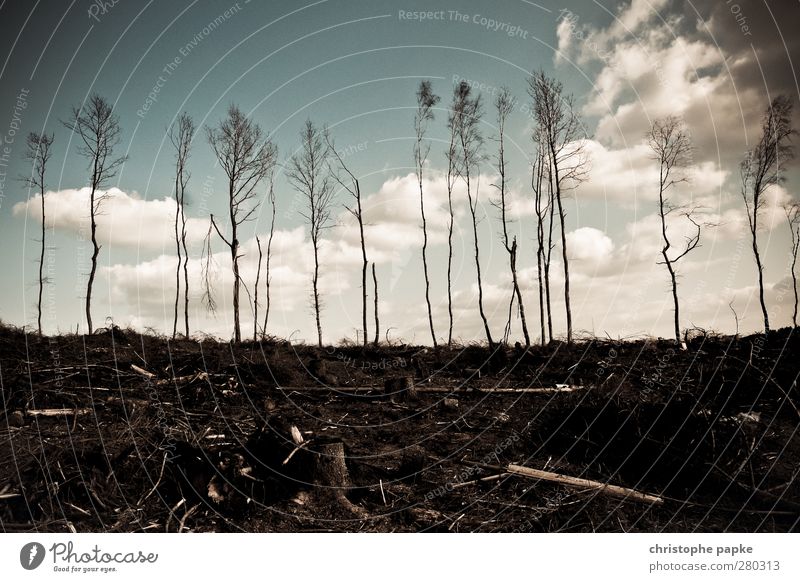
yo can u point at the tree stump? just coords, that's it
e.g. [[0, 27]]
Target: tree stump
[[401, 389], [449, 404], [330, 476], [318, 368]]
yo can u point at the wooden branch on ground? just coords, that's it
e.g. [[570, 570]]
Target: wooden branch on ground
[[59, 411], [605, 488], [435, 389], [142, 371]]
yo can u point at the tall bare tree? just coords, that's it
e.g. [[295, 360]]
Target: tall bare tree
[[504, 105], [561, 131], [180, 134], [467, 111], [672, 149], [309, 173], [268, 274], [760, 169], [38, 153], [246, 157], [793, 218], [453, 172], [99, 132], [426, 101], [350, 183]]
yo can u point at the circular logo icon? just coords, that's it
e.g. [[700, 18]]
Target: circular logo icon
[[31, 555]]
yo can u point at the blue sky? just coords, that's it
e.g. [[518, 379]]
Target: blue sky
[[355, 66]]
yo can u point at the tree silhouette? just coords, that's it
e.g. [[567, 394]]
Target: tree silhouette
[[99, 132], [760, 169], [246, 157], [38, 153], [309, 173], [560, 129]]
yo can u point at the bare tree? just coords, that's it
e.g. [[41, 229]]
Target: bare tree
[[268, 274], [309, 173], [468, 112], [377, 319], [426, 101], [246, 157], [504, 105], [99, 131], [793, 218], [38, 153], [760, 169], [672, 149], [351, 185], [561, 132], [453, 172], [180, 134]]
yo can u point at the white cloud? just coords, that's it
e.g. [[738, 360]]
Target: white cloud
[[590, 245], [123, 219]]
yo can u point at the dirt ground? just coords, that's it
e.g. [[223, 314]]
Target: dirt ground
[[126, 432]]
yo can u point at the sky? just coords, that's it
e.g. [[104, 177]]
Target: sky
[[355, 67]]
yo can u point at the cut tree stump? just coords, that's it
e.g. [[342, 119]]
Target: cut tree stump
[[330, 476], [401, 389]]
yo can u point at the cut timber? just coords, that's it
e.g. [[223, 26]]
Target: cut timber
[[59, 411], [432, 389], [142, 371], [613, 490]]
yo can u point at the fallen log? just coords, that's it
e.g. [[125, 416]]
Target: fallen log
[[605, 488], [59, 411], [434, 389]]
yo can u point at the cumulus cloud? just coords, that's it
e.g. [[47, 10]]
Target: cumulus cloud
[[590, 245], [123, 219], [697, 62]]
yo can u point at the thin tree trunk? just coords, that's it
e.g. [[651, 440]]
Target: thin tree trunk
[[237, 330], [548, 258], [563, 247], [757, 255], [316, 292], [450, 263], [760, 268], [95, 253], [269, 256], [536, 178], [794, 284], [185, 269], [377, 320], [363, 268], [178, 250], [667, 261], [255, 298], [41, 261], [478, 261], [539, 269], [518, 292], [425, 257]]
